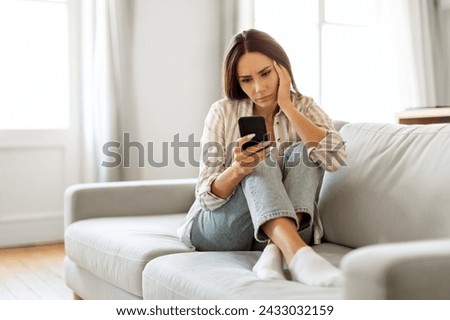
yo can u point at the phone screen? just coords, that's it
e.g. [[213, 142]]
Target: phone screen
[[253, 124]]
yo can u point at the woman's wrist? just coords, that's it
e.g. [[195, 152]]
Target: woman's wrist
[[237, 171], [288, 107], [226, 182]]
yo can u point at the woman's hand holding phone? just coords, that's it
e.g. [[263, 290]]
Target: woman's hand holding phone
[[245, 160]]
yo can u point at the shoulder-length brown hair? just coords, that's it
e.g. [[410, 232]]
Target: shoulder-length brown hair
[[251, 40]]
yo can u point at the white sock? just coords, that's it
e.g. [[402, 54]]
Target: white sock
[[270, 264], [311, 269]]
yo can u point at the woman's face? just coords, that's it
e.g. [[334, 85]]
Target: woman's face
[[258, 79]]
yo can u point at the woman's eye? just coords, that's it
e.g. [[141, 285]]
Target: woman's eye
[[266, 73], [245, 80]]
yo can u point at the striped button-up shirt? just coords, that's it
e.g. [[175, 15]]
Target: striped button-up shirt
[[221, 133]]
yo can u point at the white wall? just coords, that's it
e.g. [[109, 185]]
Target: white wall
[[176, 57]]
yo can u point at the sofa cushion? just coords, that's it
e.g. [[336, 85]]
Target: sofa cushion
[[394, 187], [117, 249], [227, 275]]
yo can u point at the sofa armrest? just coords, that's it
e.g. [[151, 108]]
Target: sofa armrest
[[130, 198], [411, 270]]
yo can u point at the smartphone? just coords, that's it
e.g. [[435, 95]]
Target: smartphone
[[253, 124]]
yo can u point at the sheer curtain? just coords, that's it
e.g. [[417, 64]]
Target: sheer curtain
[[363, 68], [237, 15], [417, 38], [105, 62]]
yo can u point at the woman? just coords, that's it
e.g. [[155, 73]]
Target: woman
[[243, 199]]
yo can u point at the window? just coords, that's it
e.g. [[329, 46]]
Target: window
[[294, 24], [351, 12], [338, 54], [34, 77], [39, 144]]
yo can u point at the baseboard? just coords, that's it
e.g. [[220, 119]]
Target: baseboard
[[31, 229]]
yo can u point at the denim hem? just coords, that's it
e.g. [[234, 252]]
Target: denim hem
[[260, 236], [305, 210], [305, 225]]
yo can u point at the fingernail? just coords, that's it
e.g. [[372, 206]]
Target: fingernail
[[251, 135], [266, 143]]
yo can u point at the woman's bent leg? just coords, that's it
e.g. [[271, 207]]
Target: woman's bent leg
[[266, 198], [268, 203], [302, 179]]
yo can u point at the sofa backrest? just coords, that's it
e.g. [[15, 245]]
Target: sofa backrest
[[395, 187]]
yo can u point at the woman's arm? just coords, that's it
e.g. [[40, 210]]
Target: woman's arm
[[224, 185], [216, 181], [307, 130], [243, 164], [324, 144]]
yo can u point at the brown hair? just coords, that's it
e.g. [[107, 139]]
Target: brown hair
[[251, 40]]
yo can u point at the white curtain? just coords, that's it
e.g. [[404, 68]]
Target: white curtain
[[237, 15], [106, 84], [417, 38]]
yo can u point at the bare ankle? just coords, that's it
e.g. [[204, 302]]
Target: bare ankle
[[283, 232]]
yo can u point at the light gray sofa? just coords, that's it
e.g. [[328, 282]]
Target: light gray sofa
[[386, 217]]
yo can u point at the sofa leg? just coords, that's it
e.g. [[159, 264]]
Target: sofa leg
[[76, 297]]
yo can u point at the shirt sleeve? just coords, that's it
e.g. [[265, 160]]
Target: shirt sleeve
[[212, 162], [330, 152]]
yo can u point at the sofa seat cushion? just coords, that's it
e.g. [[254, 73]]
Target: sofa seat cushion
[[117, 249], [227, 275]]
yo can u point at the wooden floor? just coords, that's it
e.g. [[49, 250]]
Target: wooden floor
[[33, 273]]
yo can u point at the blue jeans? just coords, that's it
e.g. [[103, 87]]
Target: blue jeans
[[272, 190]]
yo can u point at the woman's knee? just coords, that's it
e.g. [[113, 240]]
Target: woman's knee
[[267, 169], [297, 155]]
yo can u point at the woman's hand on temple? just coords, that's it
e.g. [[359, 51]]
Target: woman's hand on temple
[[284, 86]]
